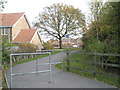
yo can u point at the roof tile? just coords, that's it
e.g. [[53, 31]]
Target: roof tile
[[9, 19], [25, 35]]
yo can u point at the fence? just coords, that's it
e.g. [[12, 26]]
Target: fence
[[13, 57], [94, 62], [21, 54], [61, 61]]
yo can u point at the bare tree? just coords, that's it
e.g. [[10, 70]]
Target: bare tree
[[59, 20]]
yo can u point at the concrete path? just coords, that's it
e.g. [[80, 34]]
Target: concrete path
[[60, 79]]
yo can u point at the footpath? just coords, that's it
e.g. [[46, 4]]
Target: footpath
[[60, 79]]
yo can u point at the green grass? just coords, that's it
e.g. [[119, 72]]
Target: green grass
[[41, 56], [38, 57], [99, 77], [31, 59], [70, 49]]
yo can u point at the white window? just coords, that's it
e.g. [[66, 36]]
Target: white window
[[4, 31]]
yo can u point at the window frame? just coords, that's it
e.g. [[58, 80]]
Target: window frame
[[4, 31]]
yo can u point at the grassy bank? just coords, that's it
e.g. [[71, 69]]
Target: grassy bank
[[86, 66]]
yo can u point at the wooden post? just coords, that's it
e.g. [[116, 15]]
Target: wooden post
[[68, 62], [94, 65], [102, 62], [106, 64]]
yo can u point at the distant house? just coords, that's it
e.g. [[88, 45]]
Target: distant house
[[16, 28], [66, 42], [54, 43]]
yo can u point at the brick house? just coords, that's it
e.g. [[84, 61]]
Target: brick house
[[16, 28]]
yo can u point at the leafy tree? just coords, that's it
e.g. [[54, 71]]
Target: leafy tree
[[102, 34], [59, 20]]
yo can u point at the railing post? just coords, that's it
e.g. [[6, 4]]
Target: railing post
[[94, 65], [10, 71], [50, 68], [62, 60], [68, 62], [36, 63], [36, 66]]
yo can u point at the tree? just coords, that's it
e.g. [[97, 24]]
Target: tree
[[59, 20], [96, 9], [2, 5], [103, 32]]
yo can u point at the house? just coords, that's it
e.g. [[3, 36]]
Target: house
[[16, 28], [54, 43], [66, 42]]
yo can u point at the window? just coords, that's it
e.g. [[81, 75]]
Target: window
[[4, 31]]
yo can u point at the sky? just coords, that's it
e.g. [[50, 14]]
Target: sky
[[32, 8]]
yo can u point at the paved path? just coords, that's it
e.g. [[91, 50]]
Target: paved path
[[61, 79]]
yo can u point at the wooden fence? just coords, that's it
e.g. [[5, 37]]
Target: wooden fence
[[94, 63]]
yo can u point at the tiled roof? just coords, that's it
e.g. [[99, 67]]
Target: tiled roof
[[25, 35], [9, 19]]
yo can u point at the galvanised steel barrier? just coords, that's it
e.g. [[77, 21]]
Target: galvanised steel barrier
[[61, 60], [43, 71]]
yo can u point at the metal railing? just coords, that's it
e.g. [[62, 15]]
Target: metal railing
[[17, 74], [38, 52], [61, 61]]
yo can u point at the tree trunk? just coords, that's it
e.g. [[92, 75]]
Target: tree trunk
[[60, 43]]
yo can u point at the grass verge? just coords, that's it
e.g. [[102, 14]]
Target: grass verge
[[99, 77]]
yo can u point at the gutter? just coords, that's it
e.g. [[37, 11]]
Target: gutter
[[5, 26]]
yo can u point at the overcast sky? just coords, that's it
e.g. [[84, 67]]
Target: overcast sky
[[33, 7]]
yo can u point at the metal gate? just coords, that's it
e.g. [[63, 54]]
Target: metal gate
[[41, 52], [50, 51], [16, 74]]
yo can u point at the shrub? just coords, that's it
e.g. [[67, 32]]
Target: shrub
[[26, 47], [47, 46]]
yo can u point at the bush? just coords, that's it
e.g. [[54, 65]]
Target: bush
[[47, 46], [6, 45], [26, 47]]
